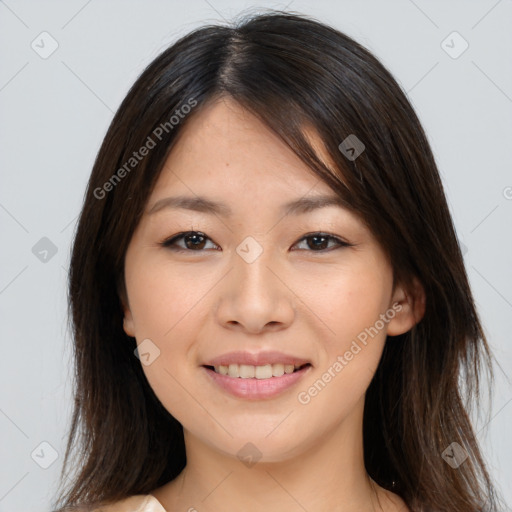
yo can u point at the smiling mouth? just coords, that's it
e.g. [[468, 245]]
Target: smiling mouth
[[247, 371]]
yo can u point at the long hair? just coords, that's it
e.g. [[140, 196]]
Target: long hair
[[293, 73]]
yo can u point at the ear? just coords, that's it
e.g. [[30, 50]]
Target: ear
[[409, 307], [128, 323]]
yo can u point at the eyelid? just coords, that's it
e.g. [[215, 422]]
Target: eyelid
[[340, 241], [169, 242]]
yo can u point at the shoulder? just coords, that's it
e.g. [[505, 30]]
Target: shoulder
[[137, 503]]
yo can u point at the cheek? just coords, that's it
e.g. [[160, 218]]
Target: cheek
[[162, 296], [350, 303], [351, 307], [345, 371], [166, 302]]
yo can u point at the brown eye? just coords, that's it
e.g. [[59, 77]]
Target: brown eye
[[192, 241], [318, 242]]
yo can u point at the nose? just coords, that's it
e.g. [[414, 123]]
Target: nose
[[254, 297]]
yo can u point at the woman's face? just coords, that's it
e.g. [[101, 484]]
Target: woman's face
[[259, 285]]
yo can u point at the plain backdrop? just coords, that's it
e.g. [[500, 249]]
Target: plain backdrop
[[64, 69]]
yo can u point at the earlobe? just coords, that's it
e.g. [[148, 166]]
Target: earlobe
[[128, 323], [409, 307]]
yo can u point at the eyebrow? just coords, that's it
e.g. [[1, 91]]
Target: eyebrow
[[205, 205]]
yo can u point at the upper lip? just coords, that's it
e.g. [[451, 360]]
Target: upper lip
[[255, 359]]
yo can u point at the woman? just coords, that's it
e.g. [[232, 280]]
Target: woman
[[269, 302]]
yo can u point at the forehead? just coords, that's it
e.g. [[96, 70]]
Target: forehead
[[225, 146]]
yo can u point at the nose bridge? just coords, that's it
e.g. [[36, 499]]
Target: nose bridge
[[252, 264], [255, 295]]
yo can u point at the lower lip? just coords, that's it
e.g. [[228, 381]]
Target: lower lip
[[256, 389]]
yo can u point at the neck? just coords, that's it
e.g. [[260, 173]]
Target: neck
[[326, 476]]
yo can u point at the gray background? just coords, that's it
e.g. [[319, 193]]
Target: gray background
[[55, 111]]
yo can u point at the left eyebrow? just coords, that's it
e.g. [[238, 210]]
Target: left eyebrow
[[205, 205]]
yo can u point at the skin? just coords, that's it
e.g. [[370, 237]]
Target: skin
[[200, 303]]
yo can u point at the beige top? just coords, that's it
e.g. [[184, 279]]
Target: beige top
[[137, 503]]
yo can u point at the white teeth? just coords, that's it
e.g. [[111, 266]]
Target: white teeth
[[277, 370], [233, 370], [247, 371], [263, 372]]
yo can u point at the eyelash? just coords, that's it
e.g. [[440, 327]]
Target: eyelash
[[170, 243]]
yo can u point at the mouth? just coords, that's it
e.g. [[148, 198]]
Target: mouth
[[255, 382]]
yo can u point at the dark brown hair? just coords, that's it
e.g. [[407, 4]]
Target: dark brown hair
[[292, 72]]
